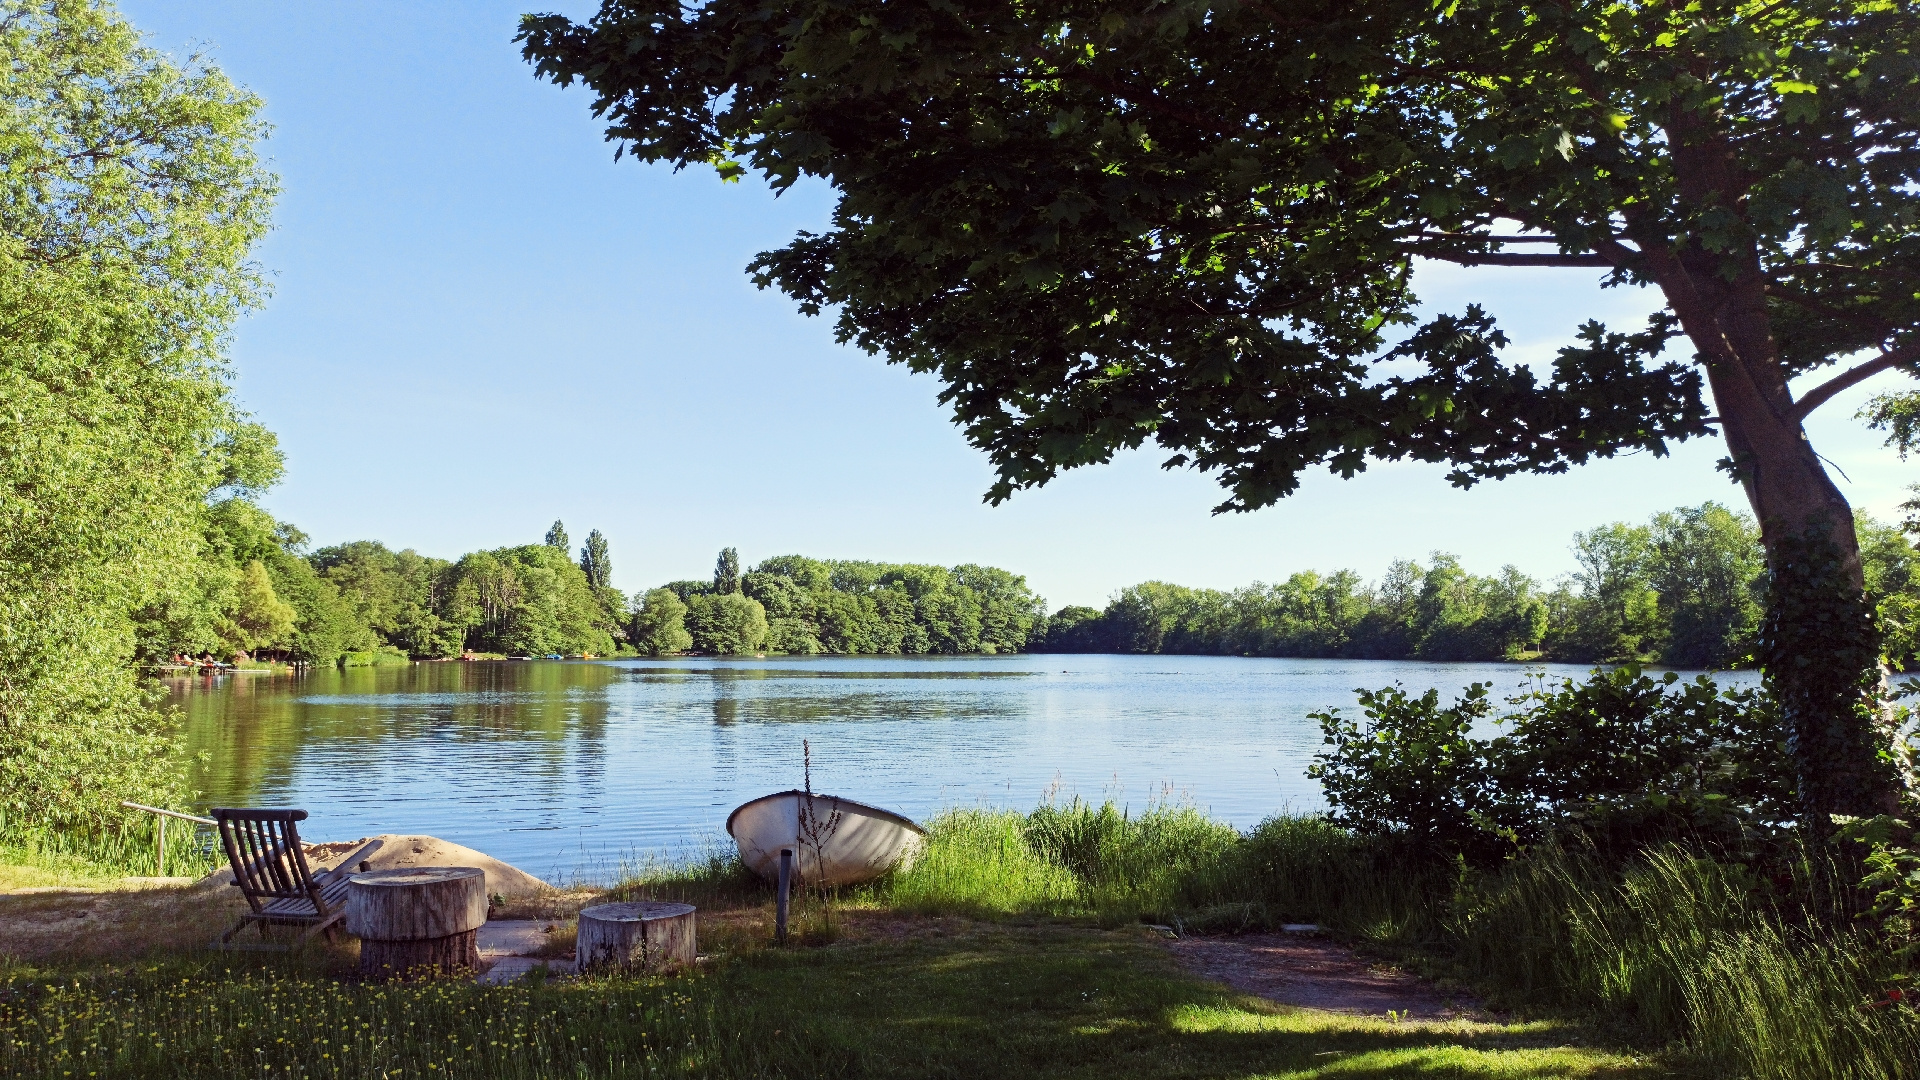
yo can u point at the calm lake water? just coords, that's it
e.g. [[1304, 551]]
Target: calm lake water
[[567, 769]]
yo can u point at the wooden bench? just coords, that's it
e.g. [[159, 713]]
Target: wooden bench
[[270, 868]]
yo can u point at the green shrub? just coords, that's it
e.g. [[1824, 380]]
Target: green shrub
[[385, 656], [1622, 760]]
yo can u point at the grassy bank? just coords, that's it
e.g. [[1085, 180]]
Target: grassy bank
[[1720, 969], [962, 999], [1015, 946], [56, 857], [1773, 977]]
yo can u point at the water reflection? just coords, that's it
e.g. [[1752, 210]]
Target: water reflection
[[566, 768]]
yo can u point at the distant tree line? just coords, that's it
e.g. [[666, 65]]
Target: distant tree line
[[793, 604], [1684, 589], [260, 593]]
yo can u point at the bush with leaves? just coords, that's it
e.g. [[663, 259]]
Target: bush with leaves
[[130, 197], [1892, 879], [1623, 759], [659, 625], [726, 624]]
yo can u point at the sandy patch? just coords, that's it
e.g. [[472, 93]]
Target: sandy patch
[[391, 851], [116, 924], [131, 916]]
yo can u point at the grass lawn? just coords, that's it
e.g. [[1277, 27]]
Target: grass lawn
[[1070, 1002], [894, 996]]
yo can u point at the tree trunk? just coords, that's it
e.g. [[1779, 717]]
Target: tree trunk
[[448, 955], [1819, 640]]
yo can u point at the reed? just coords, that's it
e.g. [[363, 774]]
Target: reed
[[713, 877], [1170, 864], [979, 863], [126, 851], [1769, 979], [1298, 869]]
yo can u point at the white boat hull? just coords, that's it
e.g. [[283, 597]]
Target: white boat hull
[[848, 842]]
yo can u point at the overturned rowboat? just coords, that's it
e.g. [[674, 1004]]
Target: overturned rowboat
[[835, 840]]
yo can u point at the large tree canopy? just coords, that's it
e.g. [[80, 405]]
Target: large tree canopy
[[130, 195], [1194, 222]]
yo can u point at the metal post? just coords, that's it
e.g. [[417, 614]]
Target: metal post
[[160, 834], [786, 885]]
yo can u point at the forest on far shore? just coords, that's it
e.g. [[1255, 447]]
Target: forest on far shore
[[1683, 589]]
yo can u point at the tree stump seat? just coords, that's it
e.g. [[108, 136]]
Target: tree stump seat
[[642, 936], [417, 919]]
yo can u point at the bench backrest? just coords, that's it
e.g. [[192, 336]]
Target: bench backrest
[[268, 860]]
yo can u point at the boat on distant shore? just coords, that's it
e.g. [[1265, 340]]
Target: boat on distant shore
[[833, 839]]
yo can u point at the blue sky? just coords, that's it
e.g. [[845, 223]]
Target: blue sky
[[482, 323]]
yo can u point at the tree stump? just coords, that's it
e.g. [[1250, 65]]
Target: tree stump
[[423, 917], [647, 936]]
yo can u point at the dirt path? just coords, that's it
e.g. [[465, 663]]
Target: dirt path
[[1314, 973], [135, 915]]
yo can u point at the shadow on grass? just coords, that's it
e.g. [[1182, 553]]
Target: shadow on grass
[[1011, 1002], [981, 1001]]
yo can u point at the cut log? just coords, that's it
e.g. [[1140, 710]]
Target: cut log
[[442, 955], [421, 917], [645, 936]]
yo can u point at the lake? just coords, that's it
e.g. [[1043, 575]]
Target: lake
[[567, 769]]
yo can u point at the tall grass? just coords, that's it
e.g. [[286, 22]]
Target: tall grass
[[1306, 870], [1170, 864], [712, 878], [1766, 978], [127, 851], [191, 1021], [978, 862]]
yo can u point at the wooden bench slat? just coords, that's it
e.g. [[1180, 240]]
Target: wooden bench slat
[[270, 868]]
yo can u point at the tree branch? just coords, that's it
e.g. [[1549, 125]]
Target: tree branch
[[1906, 356], [1505, 258], [1490, 238], [1802, 300]]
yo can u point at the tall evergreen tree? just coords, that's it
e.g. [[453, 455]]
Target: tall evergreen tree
[[726, 572], [557, 537], [595, 561]]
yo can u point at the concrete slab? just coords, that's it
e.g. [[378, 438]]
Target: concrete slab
[[512, 937], [501, 970]]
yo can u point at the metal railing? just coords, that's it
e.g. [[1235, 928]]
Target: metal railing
[[160, 835]]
